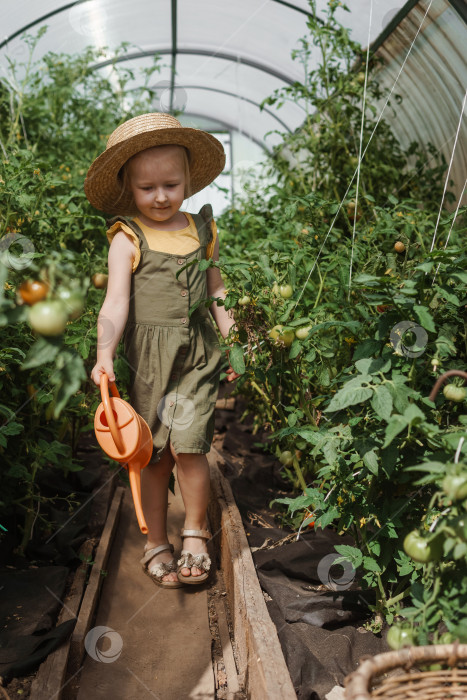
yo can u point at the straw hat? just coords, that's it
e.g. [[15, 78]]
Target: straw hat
[[103, 187]]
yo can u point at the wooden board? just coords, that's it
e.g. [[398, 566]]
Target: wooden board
[[263, 672], [50, 677], [88, 606]]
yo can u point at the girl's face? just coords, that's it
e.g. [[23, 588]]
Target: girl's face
[[157, 181]]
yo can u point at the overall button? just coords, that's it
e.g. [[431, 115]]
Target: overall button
[[183, 292], [183, 320], [180, 261]]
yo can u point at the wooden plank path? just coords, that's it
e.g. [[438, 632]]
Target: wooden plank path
[[161, 636], [146, 641]]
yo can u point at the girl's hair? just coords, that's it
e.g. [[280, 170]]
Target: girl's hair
[[124, 176]]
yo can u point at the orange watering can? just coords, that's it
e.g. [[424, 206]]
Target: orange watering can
[[125, 437]]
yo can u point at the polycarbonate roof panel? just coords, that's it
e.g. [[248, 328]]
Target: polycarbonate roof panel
[[255, 30], [231, 55], [428, 50], [240, 50]]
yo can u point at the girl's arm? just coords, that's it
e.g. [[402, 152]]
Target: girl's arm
[[114, 310], [223, 318]]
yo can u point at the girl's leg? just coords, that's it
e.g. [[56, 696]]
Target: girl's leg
[[193, 478], [154, 499]]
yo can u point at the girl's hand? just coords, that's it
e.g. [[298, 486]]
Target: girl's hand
[[232, 374], [100, 368]]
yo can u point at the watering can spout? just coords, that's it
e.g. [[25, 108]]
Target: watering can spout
[[125, 437]]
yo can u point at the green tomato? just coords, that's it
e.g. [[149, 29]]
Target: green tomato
[[48, 317], [286, 458], [399, 637], [244, 301], [302, 333], [455, 486], [278, 334], [454, 393], [446, 638], [420, 549], [286, 291], [361, 78], [461, 529], [73, 300]]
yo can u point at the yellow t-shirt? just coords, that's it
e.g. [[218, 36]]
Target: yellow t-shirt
[[180, 242]]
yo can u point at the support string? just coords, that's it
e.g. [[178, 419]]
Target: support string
[[360, 149], [364, 152]]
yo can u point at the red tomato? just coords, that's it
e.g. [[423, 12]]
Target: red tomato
[[32, 291]]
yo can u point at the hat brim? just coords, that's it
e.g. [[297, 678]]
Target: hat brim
[[103, 187]]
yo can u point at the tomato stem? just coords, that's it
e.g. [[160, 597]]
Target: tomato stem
[[299, 473], [397, 598]]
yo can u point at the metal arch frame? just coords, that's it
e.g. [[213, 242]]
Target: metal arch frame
[[231, 94], [230, 127], [69, 5], [196, 52], [174, 49]]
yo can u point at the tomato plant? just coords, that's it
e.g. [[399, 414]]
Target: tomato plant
[[351, 394], [47, 400]]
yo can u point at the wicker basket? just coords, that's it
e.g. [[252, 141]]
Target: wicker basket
[[399, 675]]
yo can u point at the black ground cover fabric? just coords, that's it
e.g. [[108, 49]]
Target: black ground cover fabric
[[29, 603], [320, 630], [33, 585]]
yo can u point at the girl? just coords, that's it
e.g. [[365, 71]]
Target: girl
[[150, 165]]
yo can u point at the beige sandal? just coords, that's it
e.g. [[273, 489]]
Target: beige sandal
[[162, 568], [188, 559]]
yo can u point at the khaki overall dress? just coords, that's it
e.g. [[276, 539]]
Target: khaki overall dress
[[174, 359]]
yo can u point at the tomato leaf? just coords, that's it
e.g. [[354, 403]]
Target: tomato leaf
[[395, 426], [348, 553], [425, 318], [371, 565], [236, 359], [381, 402], [370, 460], [295, 349], [349, 397], [42, 351]]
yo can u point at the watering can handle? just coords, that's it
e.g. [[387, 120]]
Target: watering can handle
[[114, 431]]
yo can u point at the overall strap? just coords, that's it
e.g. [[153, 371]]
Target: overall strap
[[203, 224], [143, 244]]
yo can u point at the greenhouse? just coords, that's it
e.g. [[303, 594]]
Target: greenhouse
[[234, 352]]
